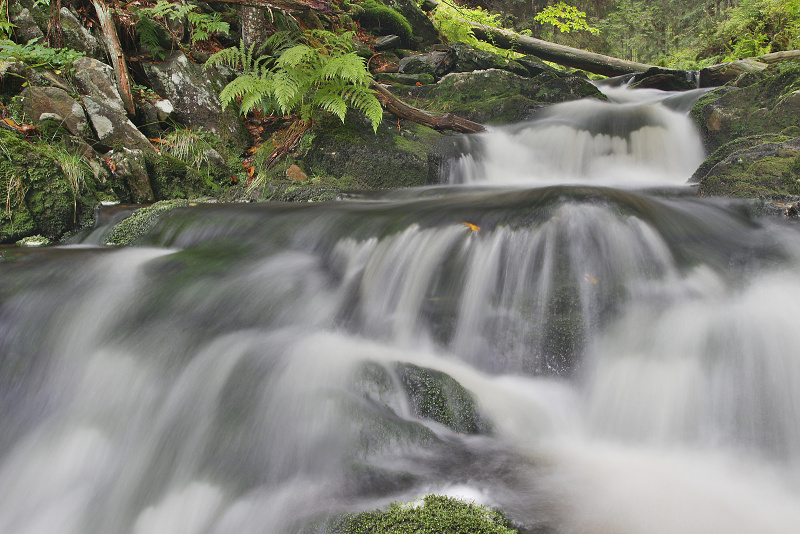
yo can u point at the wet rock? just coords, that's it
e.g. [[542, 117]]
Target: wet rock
[[717, 75], [422, 28], [434, 64], [753, 167], [406, 79], [193, 95], [130, 169], [51, 103], [438, 397], [663, 79]]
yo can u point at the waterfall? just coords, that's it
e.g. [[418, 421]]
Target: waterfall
[[549, 334]]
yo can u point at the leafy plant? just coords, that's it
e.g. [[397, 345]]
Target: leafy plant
[[75, 169], [152, 20], [5, 24], [191, 147], [36, 55], [323, 73], [566, 18], [453, 22]]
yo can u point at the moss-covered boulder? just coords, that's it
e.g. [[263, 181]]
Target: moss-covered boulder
[[39, 197], [501, 97], [768, 103], [352, 156], [757, 166], [383, 20], [130, 229]]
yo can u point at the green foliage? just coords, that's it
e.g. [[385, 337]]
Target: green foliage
[[75, 169], [36, 55], [321, 74], [452, 21], [757, 27], [5, 25], [437, 514], [190, 146], [566, 18]]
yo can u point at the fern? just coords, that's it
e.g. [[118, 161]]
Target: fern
[[322, 74], [147, 30], [201, 25]]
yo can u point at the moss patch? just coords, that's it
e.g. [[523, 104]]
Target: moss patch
[[127, 231], [436, 514], [382, 20]]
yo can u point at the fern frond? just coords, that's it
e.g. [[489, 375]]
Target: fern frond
[[294, 56], [330, 101], [364, 100], [231, 57], [349, 67], [239, 87], [147, 30], [286, 90]]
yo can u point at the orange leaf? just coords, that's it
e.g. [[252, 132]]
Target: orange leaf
[[589, 278], [472, 227]]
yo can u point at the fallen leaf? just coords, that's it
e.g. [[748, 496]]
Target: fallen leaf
[[589, 278], [472, 227]]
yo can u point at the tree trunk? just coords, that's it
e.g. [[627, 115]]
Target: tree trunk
[[437, 121], [116, 53], [775, 57], [563, 55]]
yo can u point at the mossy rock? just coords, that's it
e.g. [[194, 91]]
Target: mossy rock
[[750, 167], [383, 20], [767, 105], [500, 97], [40, 198], [399, 155], [130, 229], [438, 397]]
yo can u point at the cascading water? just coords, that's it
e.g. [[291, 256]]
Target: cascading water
[[588, 359]]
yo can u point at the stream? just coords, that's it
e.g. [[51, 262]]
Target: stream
[[561, 329]]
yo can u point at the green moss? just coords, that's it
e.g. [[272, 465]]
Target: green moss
[[436, 514], [383, 20], [40, 199], [127, 231]]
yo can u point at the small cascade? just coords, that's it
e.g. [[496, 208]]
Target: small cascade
[[643, 140]]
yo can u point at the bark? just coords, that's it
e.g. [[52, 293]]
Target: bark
[[775, 57], [437, 121], [116, 53], [563, 55]]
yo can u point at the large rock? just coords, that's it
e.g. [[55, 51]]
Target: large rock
[[757, 166], [424, 30], [77, 37], [500, 97], [96, 79], [26, 27], [767, 103], [112, 126], [193, 94], [53, 104], [130, 169]]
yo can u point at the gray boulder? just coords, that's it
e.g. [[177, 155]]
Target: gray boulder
[[193, 94], [51, 103], [96, 79], [112, 126], [26, 29], [130, 169], [77, 37]]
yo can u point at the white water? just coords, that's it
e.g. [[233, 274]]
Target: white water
[[634, 358]]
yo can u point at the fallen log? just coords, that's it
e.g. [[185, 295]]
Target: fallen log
[[775, 57], [437, 121], [563, 55]]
